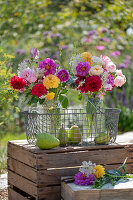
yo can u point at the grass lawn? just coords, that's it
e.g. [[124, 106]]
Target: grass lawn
[[3, 148]]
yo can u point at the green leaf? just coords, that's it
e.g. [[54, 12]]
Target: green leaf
[[80, 96], [41, 101], [63, 100], [64, 91]]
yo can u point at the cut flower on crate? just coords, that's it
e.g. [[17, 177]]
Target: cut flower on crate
[[97, 176], [41, 81], [95, 75]]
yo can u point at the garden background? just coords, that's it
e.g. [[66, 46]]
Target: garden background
[[59, 29]]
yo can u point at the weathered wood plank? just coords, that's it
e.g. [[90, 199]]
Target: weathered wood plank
[[69, 159], [13, 195], [22, 183], [22, 169], [36, 150]]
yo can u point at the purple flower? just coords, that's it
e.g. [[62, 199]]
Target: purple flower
[[111, 31], [91, 33], [119, 38], [46, 33], [100, 48], [64, 47], [122, 66], [58, 35], [126, 61], [34, 53], [128, 57], [82, 179], [131, 102], [104, 30], [83, 68], [45, 50], [63, 75], [101, 39], [52, 35], [49, 65], [20, 51]]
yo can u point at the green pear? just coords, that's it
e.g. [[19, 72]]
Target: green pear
[[63, 136], [47, 141], [74, 135], [102, 138]]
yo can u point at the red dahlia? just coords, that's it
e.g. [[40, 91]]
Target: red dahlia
[[39, 90], [93, 83], [17, 82]]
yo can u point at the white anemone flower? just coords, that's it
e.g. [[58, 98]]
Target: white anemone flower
[[87, 168]]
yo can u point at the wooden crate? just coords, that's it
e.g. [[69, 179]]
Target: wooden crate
[[124, 191], [36, 174]]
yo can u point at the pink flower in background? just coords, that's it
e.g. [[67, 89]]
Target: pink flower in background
[[119, 81], [107, 40], [63, 75], [83, 68], [28, 74], [22, 90], [115, 53], [106, 59], [88, 40], [128, 57], [100, 48], [110, 67]]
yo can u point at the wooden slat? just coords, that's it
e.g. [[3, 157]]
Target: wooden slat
[[69, 159], [22, 183], [22, 169], [22, 155], [36, 150], [13, 195]]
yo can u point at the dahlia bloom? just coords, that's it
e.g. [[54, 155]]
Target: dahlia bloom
[[28, 74], [87, 57], [110, 80], [96, 70], [49, 65], [93, 83], [99, 171], [110, 67], [39, 90], [63, 75], [105, 59], [82, 179], [50, 96], [83, 68], [17, 83], [51, 81], [119, 81]]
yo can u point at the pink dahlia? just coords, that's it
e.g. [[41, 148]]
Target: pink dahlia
[[29, 75], [63, 75], [49, 65], [83, 68], [93, 83]]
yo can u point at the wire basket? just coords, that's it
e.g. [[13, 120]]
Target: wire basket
[[73, 126]]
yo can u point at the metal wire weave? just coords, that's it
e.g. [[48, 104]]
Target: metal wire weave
[[73, 126]]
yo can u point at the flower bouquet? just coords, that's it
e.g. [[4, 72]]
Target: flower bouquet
[[95, 77], [97, 176]]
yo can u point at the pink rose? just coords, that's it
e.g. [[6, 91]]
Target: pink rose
[[106, 59], [119, 81], [110, 67], [108, 87]]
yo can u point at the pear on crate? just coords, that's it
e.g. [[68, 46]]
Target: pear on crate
[[74, 135], [102, 138], [62, 135]]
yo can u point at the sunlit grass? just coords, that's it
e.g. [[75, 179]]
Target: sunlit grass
[[3, 148]]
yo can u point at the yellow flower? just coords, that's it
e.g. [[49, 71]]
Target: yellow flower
[[51, 81], [50, 96], [99, 171], [87, 56]]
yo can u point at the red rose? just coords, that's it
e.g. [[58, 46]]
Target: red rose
[[39, 90], [17, 83], [93, 83]]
